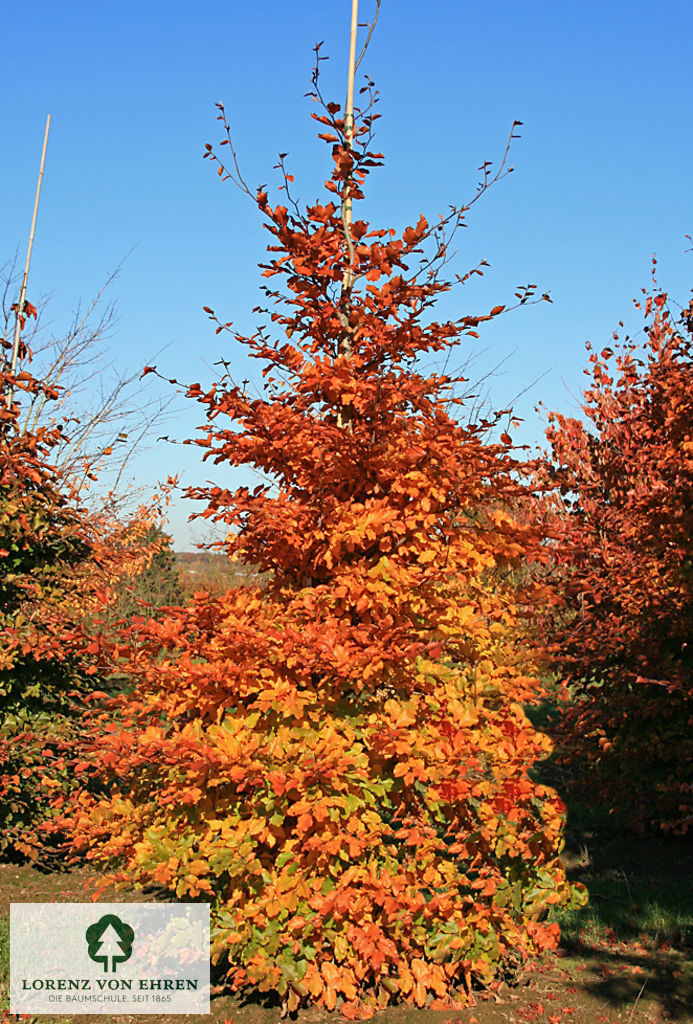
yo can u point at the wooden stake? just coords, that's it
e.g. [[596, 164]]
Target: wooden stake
[[348, 277], [22, 292], [345, 343], [349, 109]]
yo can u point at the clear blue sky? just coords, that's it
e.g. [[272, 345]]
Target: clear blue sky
[[602, 172]]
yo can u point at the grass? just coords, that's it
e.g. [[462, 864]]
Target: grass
[[637, 928], [640, 890], [640, 886], [4, 958]]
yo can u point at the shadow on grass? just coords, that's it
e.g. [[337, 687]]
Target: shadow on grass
[[641, 891], [621, 978], [638, 924]]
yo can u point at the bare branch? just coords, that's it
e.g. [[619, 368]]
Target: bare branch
[[105, 412], [223, 171], [370, 33]]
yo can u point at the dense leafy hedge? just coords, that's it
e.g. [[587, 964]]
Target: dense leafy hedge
[[60, 570], [626, 554]]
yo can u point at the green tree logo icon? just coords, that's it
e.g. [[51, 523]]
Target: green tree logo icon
[[110, 939]]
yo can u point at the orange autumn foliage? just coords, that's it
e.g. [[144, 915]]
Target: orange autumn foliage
[[625, 529], [60, 569], [337, 759]]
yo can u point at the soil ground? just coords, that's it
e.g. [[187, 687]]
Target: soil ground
[[627, 957]]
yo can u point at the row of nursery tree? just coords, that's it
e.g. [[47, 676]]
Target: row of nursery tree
[[335, 754]]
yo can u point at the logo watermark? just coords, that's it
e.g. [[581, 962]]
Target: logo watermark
[[109, 958], [110, 938]]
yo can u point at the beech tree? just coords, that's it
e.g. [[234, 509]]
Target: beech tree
[[338, 759], [625, 530], [60, 568]]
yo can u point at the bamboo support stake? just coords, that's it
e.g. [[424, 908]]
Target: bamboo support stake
[[348, 276], [345, 343], [22, 292], [349, 108]]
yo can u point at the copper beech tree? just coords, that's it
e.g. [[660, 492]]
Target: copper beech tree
[[626, 529], [337, 759], [59, 569]]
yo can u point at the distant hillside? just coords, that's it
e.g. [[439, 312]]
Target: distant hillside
[[207, 570]]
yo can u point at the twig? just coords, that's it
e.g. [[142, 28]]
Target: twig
[[370, 33], [637, 1000], [22, 292], [630, 895]]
